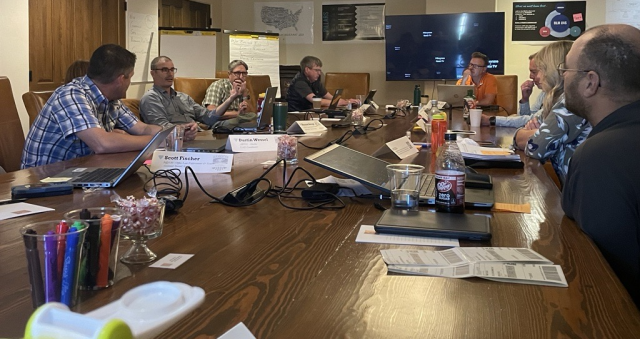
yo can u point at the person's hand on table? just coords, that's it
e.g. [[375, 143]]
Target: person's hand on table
[[484, 120], [190, 131]]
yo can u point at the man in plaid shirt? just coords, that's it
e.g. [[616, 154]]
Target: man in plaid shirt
[[86, 116], [232, 88]]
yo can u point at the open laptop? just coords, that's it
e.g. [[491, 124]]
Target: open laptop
[[207, 146], [333, 111], [369, 97], [110, 177], [372, 172], [264, 119], [454, 94]]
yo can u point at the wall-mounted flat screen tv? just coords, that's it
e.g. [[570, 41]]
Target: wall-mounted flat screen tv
[[439, 46]]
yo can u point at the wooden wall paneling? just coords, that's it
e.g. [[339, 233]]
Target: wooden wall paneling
[[41, 44]]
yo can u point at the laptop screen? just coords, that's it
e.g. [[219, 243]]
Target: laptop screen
[[267, 109]]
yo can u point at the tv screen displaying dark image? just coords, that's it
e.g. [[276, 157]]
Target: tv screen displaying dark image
[[439, 46]]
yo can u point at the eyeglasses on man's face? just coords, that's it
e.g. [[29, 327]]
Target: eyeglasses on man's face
[[166, 70], [476, 66], [240, 74], [562, 69], [317, 70]]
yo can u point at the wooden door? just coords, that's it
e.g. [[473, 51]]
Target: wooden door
[[185, 14], [62, 31]]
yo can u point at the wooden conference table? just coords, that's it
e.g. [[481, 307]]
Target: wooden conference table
[[300, 274]]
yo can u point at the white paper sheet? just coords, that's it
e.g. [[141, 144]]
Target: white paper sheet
[[9, 211]]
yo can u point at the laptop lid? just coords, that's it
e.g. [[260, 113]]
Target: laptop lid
[[453, 94], [210, 146], [146, 153], [369, 97], [267, 110], [336, 99], [433, 224], [372, 172]]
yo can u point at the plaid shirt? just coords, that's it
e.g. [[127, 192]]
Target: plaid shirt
[[72, 108], [218, 92]]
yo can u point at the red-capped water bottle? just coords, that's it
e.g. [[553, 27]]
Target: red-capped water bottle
[[450, 176]]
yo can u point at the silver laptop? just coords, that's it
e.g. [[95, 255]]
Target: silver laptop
[[110, 177], [372, 172], [454, 94], [207, 146], [264, 119]]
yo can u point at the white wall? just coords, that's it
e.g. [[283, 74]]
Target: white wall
[[14, 54]]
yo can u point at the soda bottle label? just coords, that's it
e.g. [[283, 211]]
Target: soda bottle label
[[449, 188]]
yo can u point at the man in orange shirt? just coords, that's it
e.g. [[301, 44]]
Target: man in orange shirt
[[485, 83]]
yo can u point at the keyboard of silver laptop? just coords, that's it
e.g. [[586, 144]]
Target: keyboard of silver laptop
[[428, 185], [100, 175]]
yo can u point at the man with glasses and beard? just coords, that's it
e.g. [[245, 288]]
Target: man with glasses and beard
[[164, 106], [485, 83], [220, 91], [602, 191]]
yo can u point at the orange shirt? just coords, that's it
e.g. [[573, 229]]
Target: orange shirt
[[488, 85]]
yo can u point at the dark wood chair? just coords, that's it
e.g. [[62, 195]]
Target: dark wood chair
[[507, 97]]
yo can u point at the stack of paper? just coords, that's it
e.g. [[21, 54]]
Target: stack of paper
[[505, 264], [471, 150]]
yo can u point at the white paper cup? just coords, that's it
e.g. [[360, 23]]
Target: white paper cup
[[317, 103], [475, 115]]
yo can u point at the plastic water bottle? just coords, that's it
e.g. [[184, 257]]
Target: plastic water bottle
[[450, 177]]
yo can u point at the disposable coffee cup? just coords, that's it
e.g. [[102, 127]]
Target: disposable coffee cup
[[317, 103], [53, 252], [475, 116], [404, 182]]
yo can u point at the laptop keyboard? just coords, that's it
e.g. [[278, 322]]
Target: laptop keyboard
[[428, 185], [100, 175]]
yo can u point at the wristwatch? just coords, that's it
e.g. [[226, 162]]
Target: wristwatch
[[492, 121]]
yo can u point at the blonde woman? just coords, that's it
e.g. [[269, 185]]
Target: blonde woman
[[561, 131]]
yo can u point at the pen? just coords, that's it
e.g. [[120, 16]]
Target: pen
[[12, 201], [69, 269], [61, 228], [106, 224], [93, 255], [50, 267], [33, 264], [422, 144]]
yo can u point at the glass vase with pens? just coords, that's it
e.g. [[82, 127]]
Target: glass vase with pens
[[99, 263]]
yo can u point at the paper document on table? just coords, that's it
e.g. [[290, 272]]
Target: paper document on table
[[367, 234], [534, 274], [461, 256], [349, 187], [9, 211], [471, 150]]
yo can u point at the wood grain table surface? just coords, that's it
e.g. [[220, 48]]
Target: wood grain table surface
[[300, 274]]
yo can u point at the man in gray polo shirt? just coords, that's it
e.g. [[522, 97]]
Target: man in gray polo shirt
[[164, 106]]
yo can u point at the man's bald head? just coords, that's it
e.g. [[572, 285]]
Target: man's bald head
[[612, 51]]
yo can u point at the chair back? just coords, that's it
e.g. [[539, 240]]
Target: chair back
[[507, 93], [134, 106], [12, 137], [33, 102], [222, 74], [196, 88], [256, 84], [352, 84]]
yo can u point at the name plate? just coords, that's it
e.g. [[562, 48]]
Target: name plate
[[402, 147], [253, 143], [201, 162], [307, 127]]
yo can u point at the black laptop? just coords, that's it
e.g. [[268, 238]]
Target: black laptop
[[434, 224], [333, 111], [110, 177], [264, 119], [372, 172], [207, 146]]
